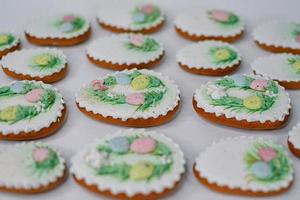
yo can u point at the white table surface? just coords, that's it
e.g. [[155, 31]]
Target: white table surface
[[192, 133]]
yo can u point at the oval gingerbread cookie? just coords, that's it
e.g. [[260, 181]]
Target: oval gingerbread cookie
[[294, 140]]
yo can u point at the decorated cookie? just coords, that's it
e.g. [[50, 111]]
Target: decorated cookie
[[243, 101], [294, 140], [132, 164], [8, 43], [30, 168], [278, 37], [128, 16], [284, 68], [47, 65], [245, 166], [125, 51], [136, 98], [207, 24], [59, 30], [30, 110], [212, 58]]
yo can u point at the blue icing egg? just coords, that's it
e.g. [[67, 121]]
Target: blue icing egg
[[261, 169], [119, 144], [138, 17], [238, 79], [123, 79], [66, 27], [17, 87]]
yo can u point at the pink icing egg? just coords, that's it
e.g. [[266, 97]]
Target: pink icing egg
[[220, 15], [147, 9], [68, 18], [267, 154], [135, 99], [143, 145], [34, 95], [98, 85], [137, 40], [259, 84], [40, 154], [297, 38]]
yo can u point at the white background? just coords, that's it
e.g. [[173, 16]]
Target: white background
[[192, 133]]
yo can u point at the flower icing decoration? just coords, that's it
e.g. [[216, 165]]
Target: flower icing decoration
[[222, 54], [70, 23], [259, 94], [145, 14], [41, 98], [142, 43], [45, 159], [223, 17], [106, 160], [294, 62], [296, 33], [266, 162], [147, 90], [46, 61]]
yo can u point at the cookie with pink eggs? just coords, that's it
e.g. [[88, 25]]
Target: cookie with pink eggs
[[135, 98], [125, 51], [131, 164]]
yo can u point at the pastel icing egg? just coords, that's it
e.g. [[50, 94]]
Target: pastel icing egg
[[43, 59], [17, 87], [238, 79], [141, 171], [66, 27], [135, 99], [261, 169], [140, 82], [122, 79], [98, 85], [119, 144], [40, 154], [3, 38], [259, 84], [137, 40], [252, 102], [143, 145], [34, 95]]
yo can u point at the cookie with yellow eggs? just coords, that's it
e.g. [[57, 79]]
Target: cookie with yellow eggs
[[135, 98], [8, 43], [133, 164], [43, 64], [212, 58], [243, 101]]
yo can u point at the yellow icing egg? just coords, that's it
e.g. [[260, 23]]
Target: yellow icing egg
[[140, 82], [43, 59], [222, 54], [3, 39], [8, 114], [252, 102], [296, 65], [141, 171]]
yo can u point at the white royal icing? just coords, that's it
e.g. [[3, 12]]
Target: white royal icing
[[196, 22], [17, 170], [83, 171], [42, 120], [197, 55], [277, 67], [125, 111], [223, 164], [277, 34], [119, 14], [277, 112], [13, 44], [113, 49], [45, 28], [22, 62], [294, 136]]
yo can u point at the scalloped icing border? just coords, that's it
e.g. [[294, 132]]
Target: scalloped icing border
[[84, 30], [282, 118], [230, 186], [42, 50], [17, 186], [268, 76], [170, 108], [291, 133], [16, 42], [270, 44], [159, 188], [50, 121], [157, 57], [237, 61]]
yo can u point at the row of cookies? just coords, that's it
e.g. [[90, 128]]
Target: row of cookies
[[138, 164]]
